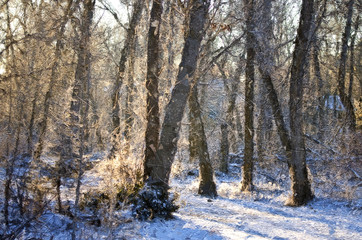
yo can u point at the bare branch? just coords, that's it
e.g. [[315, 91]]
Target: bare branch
[[105, 6]]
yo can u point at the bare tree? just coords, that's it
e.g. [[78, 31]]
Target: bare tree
[[297, 165], [207, 185], [175, 108], [53, 78], [293, 142], [247, 168], [350, 116], [153, 73], [129, 42]]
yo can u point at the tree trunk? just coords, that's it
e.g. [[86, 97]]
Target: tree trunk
[[81, 103], [350, 116], [232, 110], [262, 118], [53, 78], [207, 185], [193, 136], [352, 65], [297, 168], [247, 168], [160, 169], [153, 73], [321, 107], [81, 84], [128, 43], [294, 143], [224, 149]]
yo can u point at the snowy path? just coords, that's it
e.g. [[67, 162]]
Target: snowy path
[[223, 218]]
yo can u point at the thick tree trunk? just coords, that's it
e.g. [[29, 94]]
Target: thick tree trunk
[[153, 73], [247, 168], [153, 200], [297, 168], [128, 43], [350, 116], [160, 169], [294, 143], [207, 185]]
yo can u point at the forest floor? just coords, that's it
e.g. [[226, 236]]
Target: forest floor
[[232, 215]]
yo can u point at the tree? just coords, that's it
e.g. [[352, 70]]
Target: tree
[[247, 167], [207, 185], [175, 108], [153, 73], [160, 167], [350, 116], [293, 143], [80, 103], [129, 42], [297, 165], [53, 78]]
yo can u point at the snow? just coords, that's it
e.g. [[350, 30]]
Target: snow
[[232, 215], [250, 217]]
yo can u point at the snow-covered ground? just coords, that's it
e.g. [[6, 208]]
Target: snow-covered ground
[[232, 215], [254, 217]]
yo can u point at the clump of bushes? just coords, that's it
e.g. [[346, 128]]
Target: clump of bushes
[[96, 200], [153, 201]]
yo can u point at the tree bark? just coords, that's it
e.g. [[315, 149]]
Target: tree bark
[[297, 167], [247, 168], [153, 73], [80, 103], [224, 149], [160, 169], [321, 107], [352, 65], [81, 84], [350, 116], [231, 109], [207, 185], [293, 143]]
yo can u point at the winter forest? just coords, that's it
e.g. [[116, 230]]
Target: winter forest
[[180, 119]]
